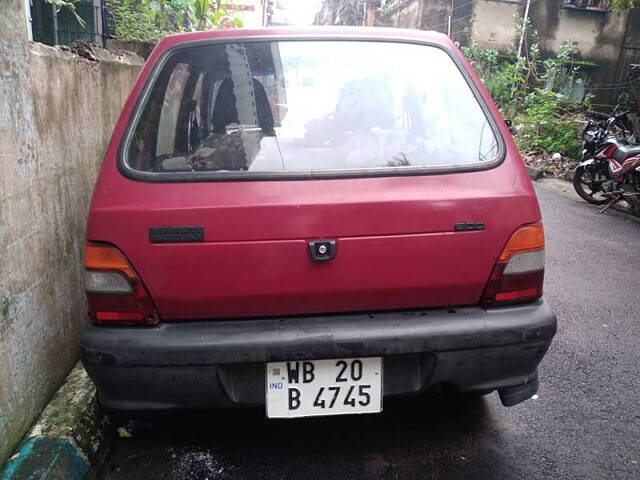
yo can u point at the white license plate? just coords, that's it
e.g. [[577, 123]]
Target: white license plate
[[308, 388]]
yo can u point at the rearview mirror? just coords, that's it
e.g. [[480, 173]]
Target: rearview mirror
[[509, 124]]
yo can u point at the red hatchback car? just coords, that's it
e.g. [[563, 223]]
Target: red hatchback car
[[311, 220]]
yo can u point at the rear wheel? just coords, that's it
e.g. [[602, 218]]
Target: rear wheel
[[588, 184]]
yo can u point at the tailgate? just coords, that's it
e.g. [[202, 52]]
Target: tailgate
[[396, 243]]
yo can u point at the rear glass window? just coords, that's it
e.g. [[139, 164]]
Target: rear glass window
[[309, 106]]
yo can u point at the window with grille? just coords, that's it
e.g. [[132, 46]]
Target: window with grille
[[596, 5], [59, 26]]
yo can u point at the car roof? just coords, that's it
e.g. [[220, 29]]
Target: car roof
[[315, 32]]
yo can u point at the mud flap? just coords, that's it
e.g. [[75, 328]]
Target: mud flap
[[511, 396]]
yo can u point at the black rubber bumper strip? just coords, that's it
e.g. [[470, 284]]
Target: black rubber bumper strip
[[215, 342]]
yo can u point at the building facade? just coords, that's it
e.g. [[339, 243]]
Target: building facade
[[607, 42]]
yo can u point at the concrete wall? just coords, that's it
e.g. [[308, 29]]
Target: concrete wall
[[56, 114], [403, 14], [494, 24], [598, 36], [430, 15]]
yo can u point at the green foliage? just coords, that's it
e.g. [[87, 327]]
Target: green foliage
[[507, 84], [135, 21], [504, 76], [530, 35], [150, 20], [547, 123], [561, 68], [534, 93], [484, 61], [624, 4]]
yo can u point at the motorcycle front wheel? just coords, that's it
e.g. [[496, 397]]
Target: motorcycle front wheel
[[588, 184]]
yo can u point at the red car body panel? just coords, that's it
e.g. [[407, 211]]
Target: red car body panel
[[396, 243]]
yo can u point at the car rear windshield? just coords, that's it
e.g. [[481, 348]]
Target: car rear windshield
[[308, 106]]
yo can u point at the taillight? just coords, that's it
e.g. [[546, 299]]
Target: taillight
[[115, 293], [519, 272]]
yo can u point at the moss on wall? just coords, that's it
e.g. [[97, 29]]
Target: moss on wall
[[57, 111]]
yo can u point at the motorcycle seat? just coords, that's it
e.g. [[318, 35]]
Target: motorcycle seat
[[625, 151]]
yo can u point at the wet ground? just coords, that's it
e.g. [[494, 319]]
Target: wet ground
[[584, 422]]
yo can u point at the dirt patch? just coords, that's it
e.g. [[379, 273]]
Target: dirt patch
[[562, 167]]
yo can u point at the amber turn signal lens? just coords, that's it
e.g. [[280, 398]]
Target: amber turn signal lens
[[525, 239], [104, 257]]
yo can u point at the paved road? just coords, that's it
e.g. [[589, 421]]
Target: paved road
[[585, 423]]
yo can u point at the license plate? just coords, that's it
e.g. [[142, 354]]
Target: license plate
[[308, 388]]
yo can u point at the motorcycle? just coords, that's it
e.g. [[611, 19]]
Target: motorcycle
[[610, 168]]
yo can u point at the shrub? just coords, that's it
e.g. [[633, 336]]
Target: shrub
[[503, 75], [149, 20], [549, 123], [545, 121]]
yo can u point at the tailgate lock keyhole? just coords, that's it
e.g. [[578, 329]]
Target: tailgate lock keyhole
[[322, 250]]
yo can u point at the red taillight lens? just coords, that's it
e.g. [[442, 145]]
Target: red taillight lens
[[519, 272], [115, 293]]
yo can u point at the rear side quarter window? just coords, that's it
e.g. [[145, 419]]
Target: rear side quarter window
[[284, 109]]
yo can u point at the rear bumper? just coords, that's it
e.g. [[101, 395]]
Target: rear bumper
[[193, 365]]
